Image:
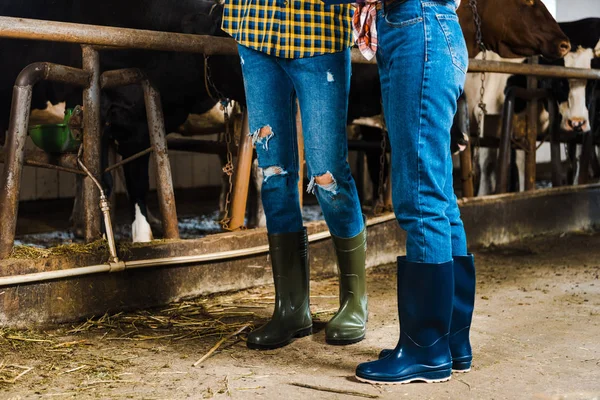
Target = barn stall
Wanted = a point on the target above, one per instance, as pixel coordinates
(155, 274)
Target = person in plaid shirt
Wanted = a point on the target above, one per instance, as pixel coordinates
(300, 49)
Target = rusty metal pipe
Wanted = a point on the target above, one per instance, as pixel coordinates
(554, 143)
(91, 144)
(158, 140)
(36, 72)
(466, 164)
(242, 177)
(533, 116)
(31, 29)
(10, 185)
(41, 159)
(39, 277)
(542, 71)
(507, 116)
(129, 159)
(121, 77)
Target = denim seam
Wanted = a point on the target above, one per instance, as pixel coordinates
(419, 144)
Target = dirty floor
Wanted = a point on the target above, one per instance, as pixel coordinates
(535, 335)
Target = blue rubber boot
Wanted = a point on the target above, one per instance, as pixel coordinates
(462, 314)
(425, 297)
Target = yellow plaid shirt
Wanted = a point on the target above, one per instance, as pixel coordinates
(289, 28)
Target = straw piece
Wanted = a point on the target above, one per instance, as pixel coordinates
(219, 343)
(339, 391)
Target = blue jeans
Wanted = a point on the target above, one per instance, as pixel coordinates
(321, 84)
(422, 59)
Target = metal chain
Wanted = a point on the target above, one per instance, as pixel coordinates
(380, 207)
(481, 105)
(215, 94)
(228, 169)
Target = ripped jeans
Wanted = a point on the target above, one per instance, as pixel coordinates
(422, 60)
(321, 84)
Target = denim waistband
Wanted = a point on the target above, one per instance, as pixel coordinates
(447, 3)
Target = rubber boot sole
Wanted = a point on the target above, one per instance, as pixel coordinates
(427, 377)
(460, 367)
(344, 342)
(299, 334)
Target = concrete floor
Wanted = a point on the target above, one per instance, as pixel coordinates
(535, 336)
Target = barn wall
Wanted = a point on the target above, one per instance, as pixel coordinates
(571, 10)
(188, 169)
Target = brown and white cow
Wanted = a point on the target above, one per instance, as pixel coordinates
(513, 28)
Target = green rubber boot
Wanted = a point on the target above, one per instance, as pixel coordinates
(349, 325)
(291, 317)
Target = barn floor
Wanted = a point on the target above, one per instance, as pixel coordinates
(535, 336)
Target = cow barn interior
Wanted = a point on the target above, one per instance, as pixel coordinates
(134, 257)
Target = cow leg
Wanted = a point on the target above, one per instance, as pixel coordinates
(257, 179)
(487, 170)
(572, 169)
(520, 165)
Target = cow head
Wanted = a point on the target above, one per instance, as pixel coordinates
(514, 28)
(574, 95)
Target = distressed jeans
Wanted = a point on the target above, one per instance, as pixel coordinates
(422, 59)
(321, 84)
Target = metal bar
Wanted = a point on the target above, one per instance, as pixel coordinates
(37, 164)
(164, 187)
(38, 158)
(121, 77)
(36, 72)
(533, 117)
(554, 144)
(129, 159)
(301, 161)
(466, 163)
(10, 186)
(506, 133)
(31, 29)
(198, 146)
(541, 71)
(242, 177)
(504, 149)
(91, 144)
(586, 157)
(38, 277)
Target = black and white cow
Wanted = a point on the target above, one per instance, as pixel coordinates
(179, 77)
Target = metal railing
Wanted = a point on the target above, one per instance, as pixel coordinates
(96, 38)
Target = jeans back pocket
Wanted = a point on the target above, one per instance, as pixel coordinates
(455, 40)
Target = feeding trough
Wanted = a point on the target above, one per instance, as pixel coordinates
(59, 138)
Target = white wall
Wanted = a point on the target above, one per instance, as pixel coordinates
(571, 10)
(551, 6)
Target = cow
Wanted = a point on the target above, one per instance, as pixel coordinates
(179, 77)
(533, 30)
(573, 96)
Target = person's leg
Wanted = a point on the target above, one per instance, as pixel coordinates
(422, 59)
(323, 85)
(271, 112)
